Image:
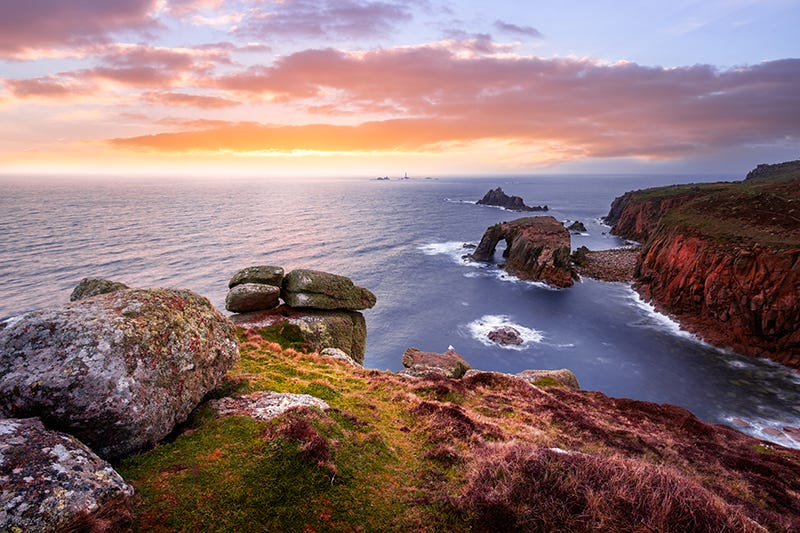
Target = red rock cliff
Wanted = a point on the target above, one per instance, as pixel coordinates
(742, 298)
(724, 259)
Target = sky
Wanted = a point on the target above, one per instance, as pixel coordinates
(386, 87)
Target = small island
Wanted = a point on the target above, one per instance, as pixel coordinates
(498, 198)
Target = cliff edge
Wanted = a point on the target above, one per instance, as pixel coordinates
(723, 258)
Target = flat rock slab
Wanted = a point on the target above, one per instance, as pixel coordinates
(323, 290)
(48, 478)
(264, 405)
(261, 274)
(247, 297)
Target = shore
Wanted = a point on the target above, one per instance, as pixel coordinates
(609, 265)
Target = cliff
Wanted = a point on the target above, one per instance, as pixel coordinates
(487, 452)
(537, 248)
(723, 258)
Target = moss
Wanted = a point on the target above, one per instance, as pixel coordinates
(286, 335)
(548, 382)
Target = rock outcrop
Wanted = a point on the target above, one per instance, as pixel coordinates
(49, 481)
(538, 248)
(89, 287)
(323, 290)
(247, 297)
(563, 377)
(423, 364)
(345, 330)
(498, 198)
(577, 227)
(723, 258)
(118, 370)
(505, 336)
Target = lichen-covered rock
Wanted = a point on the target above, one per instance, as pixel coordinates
(564, 377)
(89, 287)
(322, 290)
(262, 274)
(538, 248)
(264, 405)
(345, 330)
(119, 370)
(247, 297)
(340, 355)
(48, 479)
(420, 364)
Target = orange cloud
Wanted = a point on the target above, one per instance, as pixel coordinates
(438, 96)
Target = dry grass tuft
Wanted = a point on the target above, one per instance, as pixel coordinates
(516, 487)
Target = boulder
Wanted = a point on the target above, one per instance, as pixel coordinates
(263, 275)
(322, 290)
(89, 287)
(498, 198)
(247, 297)
(505, 336)
(538, 248)
(420, 364)
(119, 370)
(49, 481)
(563, 377)
(345, 330)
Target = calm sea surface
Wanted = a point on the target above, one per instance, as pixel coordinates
(404, 241)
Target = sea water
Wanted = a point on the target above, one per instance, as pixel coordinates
(404, 240)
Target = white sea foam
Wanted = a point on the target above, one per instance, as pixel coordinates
(457, 251)
(654, 319)
(480, 329)
(765, 429)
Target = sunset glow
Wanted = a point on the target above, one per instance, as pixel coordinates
(361, 87)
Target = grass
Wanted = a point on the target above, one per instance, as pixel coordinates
(436, 454)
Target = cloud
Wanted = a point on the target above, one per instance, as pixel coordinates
(434, 96)
(188, 100)
(323, 19)
(43, 24)
(44, 87)
(522, 31)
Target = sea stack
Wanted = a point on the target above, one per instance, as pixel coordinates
(498, 198)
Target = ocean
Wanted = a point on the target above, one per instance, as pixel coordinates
(404, 240)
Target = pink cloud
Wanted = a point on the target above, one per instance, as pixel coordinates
(606, 109)
(188, 100)
(45, 87)
(324, 18)
(40, 24)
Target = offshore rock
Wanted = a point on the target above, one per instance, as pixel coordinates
(538, 248)
(423, 364)
(498, 198)
(262, 274)
(247, 297)
(322, 290)
(577, 227)
(49, 480)
(505, 336)
(119, 370)
(342, 329)
(89, 287)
